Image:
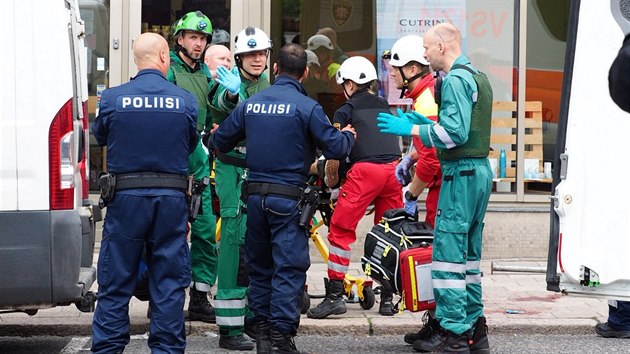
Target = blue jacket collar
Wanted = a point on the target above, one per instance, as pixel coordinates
(149, 71)
(288, 81)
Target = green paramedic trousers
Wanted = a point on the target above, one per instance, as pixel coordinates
(466, 187)
(203, 246)
(231, 298)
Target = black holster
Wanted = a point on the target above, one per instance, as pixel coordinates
(308, 206)
(195, 199)
(107, 187)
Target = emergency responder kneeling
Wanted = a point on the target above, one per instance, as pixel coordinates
(370, 179)
(280, 149)
(147, 155)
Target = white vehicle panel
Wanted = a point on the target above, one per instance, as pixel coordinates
(43, 87)
(8, 158)
(593, 202)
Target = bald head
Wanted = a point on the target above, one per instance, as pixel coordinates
(442, 45)
(150, 51)
(447, 33)
(216, 55)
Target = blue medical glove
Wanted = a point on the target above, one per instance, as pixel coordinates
(231, 80)
(411, 207)
(418, 119)
(403, 171)
(391, 124)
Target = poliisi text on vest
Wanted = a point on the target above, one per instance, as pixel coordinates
(268, 108)
(150, 102)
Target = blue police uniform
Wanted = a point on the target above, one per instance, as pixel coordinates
(148, 125)
(283, 128)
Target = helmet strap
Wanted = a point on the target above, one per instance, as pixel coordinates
(239, 64)
(406, 80)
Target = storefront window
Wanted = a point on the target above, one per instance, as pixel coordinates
(547, 23)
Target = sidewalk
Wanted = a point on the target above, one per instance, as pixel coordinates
(514, 303)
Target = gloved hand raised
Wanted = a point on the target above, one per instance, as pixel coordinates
(391, 124)
(403, 171)
(411, 207)
(417, 118)
(231, 80)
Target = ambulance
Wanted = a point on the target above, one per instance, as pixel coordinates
(46, 218)
(589, 246)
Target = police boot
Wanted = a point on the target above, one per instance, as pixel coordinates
(282, 343)
(480, 343)
(430, 326)
(199, 308)
(443, 341)
(386, 307)
(238, 342)
(263, 341)
(251, 328)
(333, 303)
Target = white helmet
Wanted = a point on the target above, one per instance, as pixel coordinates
(406, 49)
(357, 69)
(251, 39)
(319, 40)
(311, 58)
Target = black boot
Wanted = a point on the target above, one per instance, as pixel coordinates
(333, 304)
(282, 343)
(251, 329)
(199, 308)
(480, 343)
(430, 326)
(386, 307)
(443, 341)
(263, 341)
(235, 342)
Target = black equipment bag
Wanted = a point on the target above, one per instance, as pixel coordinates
(396, 232)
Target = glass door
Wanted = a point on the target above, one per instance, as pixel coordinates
(96, 14)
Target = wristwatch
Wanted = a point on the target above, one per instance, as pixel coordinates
(410, 196)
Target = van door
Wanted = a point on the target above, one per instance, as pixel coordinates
(589, 245)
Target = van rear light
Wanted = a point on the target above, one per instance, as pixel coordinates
(66, 149)
(60, 161)
(85, 156)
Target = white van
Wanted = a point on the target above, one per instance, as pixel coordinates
(589, 248)
(46, 218)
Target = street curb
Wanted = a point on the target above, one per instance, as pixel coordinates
(199, 329)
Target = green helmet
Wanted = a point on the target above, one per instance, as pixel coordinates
(194, 21)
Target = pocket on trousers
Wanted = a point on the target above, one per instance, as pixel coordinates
(242, 277)
(450, 243)
(103, 264)
(348, 200)
(186, 273)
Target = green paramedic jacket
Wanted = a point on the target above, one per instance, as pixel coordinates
(221, 107)
(465, 115)
(198, 82)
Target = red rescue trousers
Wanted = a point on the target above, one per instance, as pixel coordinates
(366, 182)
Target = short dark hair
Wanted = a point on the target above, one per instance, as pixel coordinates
(292, 60)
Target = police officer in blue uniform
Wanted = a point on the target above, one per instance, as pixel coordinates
(283, 127)
(149, 127)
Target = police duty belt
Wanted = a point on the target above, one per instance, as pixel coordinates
(138, 180)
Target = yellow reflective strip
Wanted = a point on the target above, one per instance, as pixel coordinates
(412, 275)
(386, 250)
